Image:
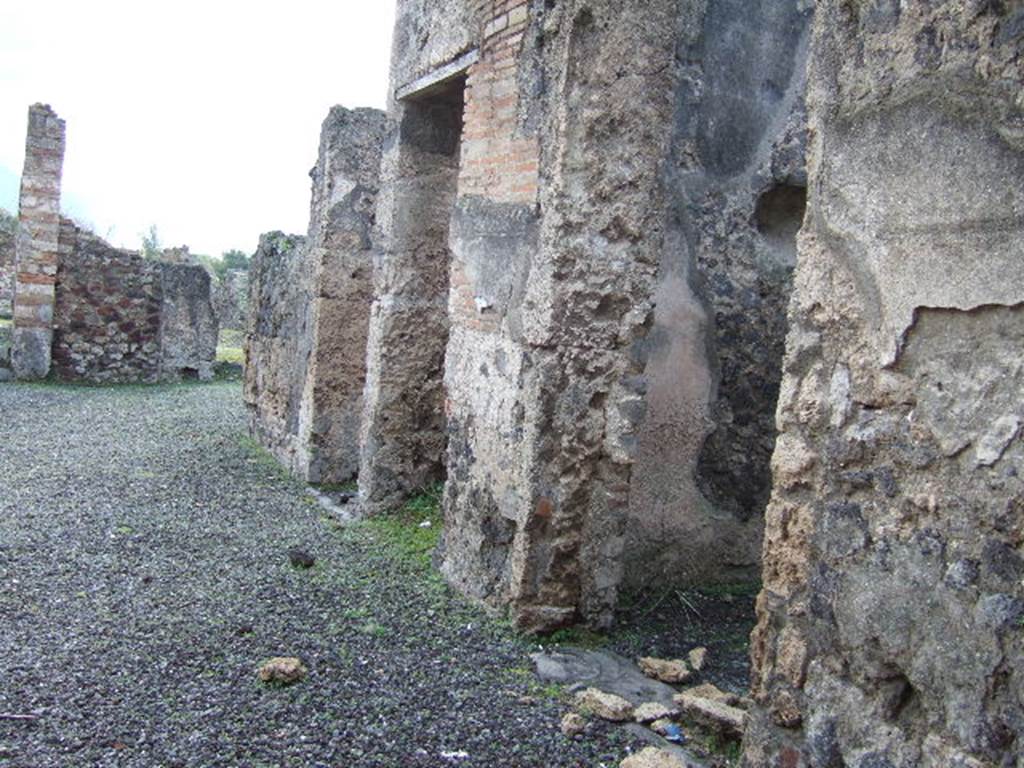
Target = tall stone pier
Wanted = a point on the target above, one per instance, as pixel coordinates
(310, 307)
(889, 630)
(37, 249)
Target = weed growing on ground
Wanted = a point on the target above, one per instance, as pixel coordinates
(580, 637)
(412, 534)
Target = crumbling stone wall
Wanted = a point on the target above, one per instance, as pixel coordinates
(345, 186)
(589, 190)
(8, 235)
(119, 317)
(37, 244)
(403, 432)
(89, 310)
(737, 180)
(277, 343)
(231, 299)
(310, 307)
(549, 291)
(889, 627)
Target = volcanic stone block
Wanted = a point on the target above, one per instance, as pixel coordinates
(309, 305)
(277, 342)
(345, 186)
(889, 624)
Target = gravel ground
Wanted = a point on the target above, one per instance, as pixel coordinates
(144, 576)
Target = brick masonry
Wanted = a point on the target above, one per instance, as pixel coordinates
(37, 244)
(122, 318)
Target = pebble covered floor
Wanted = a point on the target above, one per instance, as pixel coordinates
(144, 576)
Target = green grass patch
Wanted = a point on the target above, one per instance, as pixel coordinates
(580, 637)
(231, 337)
(736, 589)
(413, 532)
(262, 458)
(233, 355)
(5, 322)
(352, 486)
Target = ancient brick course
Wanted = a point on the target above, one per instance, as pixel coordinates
(37, 243)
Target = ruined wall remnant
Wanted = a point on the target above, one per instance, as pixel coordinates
(37, 244)
(737, 182)
(589, 189)
(91, 311)
(8, 237)
(547, 290)
(345, 186)
(188, 323)
(403, 431)
(889, 626)
(277, 343)
(119, 317)
(309, 310)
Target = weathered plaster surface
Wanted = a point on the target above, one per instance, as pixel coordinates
(345, 185)
(715, 351)
(889, 624)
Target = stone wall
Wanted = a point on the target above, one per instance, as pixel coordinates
(403, 432)
(231, 299)
(8, 236)
(889, 627)
(277, 343)
(119, 317)
(737, 181)
(310, 307)
(37, 244)
(345, 186)
(498, 231)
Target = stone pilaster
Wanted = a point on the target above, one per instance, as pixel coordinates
(37, 248)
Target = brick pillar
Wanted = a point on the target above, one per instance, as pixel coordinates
(36, 251)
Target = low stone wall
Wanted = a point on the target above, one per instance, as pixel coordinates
(119, 317)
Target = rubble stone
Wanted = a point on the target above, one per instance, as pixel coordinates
(284, 670)
(728, 721)
(607, 706)
(651, 711)
(573, 724)
(652, 757)
(667, 671)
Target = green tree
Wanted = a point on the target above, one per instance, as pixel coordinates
(230, 261)
(151, 243)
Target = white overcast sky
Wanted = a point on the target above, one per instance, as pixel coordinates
(202, 118)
